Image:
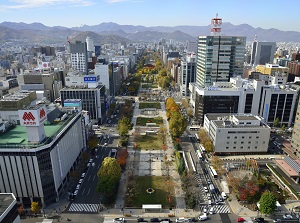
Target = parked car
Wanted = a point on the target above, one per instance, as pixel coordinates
(180, 219)
(287, 216)
(205, 189)
(240, 220)
(82, 175)
(141, 220)
(203, 217)
(78, 186)
(192, 219)
(165, 219)
(80, 181)
(154, 220)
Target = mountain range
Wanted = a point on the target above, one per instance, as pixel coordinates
(38, 33)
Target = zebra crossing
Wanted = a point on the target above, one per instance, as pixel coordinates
(76, 207)
(221, 208)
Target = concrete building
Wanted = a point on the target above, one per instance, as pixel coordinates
(219, 58)
(272, 69)
(237, 133)
(37, 156)
(262, 52)
(9, 209)
(187, 73)
(290, 167)
(294, 70)
(79, 58)
(265, 98)
(295, 142)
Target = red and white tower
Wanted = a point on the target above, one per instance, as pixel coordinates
(216, 24)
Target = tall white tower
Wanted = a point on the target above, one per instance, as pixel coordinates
(33, 117)
(90, 44)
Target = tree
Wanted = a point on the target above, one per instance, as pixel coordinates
(177, 125)
(162, 133)
(93, 142)
(217, 164)
(21, 210)
(276, 122)
(35, 207)
(122, 158)
(234, 182)
(283, 127)
(267, 203)
(108, 179)
(124, 125)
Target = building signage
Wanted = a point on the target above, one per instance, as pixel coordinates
(91, 79)
(33, 117)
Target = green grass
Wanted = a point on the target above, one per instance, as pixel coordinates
(141, 121)
(150, 142)
(143, 105)
(149, 86)
(160, 195)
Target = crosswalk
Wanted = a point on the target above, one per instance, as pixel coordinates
(76, 207)
(221, 208)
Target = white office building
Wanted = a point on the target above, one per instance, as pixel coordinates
(237, 133)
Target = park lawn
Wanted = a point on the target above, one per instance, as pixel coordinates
(149, 86)
(143, 105)
(141, 121)
(160, 195)
(150, 142)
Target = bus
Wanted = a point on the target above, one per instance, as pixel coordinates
(197, 138)
(213, 172)
(194, 128)
(199, 155)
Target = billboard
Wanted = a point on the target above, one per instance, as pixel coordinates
(91, 79)
(72, 103)
(33, 117)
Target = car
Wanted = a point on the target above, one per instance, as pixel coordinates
(154, 220)
(203, 217)
(91, 160)
(259, 219)
(82, 175)
(240, 220)
(180, 220)
(88, 164)
(165, 219)
(209, 196)
(78, 186)
(287, 216)
(111, 130)
(192, 220)
(75, 192)
(205, 210)
(93, 164)
(211, 210)
(209, 202)
(80, 181)
(105, 144)
(277, 220)
(205, 189)
(141, 220)
(119, 220)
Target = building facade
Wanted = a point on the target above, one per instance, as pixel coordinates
(187, 74)
(219, 58)
(79, 58)
(262, 52)
(246, 96)
(237, 133)
(9, 209)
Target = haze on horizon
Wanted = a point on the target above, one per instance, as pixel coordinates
(73, 13)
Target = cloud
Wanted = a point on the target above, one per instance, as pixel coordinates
(22, 4)
(116, 1)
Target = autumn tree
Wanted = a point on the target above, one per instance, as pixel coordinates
(267, 203)
(93, 142)
(21, 210)
(108, 178)
(177, 125)
(122, 157)
(162, 133)
(35, 207)
(124, 125)
(234, 182)
(217, 164)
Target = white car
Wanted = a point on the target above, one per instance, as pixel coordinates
(88, 164)
(93, 164)
(111, 130)
(180, 219)
(82, 175)
(119, 220)
(78, 186)
(75, 192)
(287, 216)
(105, 144)
(212, 210)
(205, 189)
(91, 160)
(202, 217)
(205, 210)
(80, 181)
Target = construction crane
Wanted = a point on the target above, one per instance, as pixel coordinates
(69, 38)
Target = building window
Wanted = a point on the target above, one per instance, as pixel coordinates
(250, 137)
(228, 137)
(243, 137)
(234, 147)
(255, 147)
(234, 142)
(257, 137)
(227, 142)
(227, 147)
(242, 142)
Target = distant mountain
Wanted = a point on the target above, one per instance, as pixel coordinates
(100, 39)
(44, 34)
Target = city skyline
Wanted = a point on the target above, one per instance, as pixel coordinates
(74, 13)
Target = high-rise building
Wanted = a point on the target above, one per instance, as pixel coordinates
(219, 58)
(90, 44)
(187, 74)
(262, 52)
(295, 142)
(79, 58)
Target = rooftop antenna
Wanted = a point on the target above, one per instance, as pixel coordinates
(216, 24)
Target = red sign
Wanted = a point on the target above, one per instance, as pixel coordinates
(42, 113)
(28, 116)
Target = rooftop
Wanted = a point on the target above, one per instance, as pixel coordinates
(16, 137)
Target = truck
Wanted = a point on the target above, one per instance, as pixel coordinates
(212, 188)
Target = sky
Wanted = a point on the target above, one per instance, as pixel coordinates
(74, 13)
